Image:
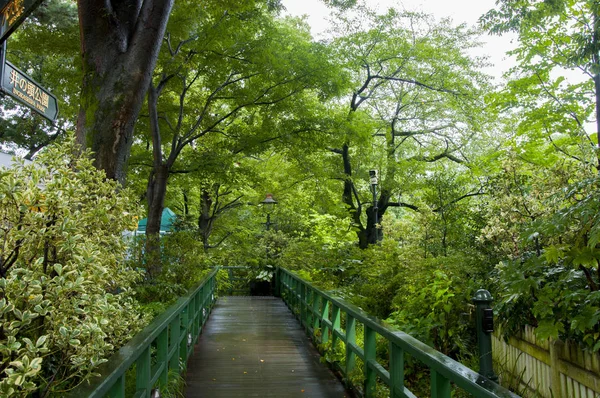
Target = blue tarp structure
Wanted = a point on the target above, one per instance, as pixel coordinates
(166, 222)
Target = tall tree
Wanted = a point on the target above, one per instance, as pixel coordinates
(229, 77)
(544, 213)
(120, 41)
(557, 78)
(418, 90)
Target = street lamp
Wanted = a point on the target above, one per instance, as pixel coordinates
(268, 205)
(374, 181)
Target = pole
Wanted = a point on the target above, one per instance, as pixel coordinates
(2, 61)
(485, 327)
(375, 213)
(268, 226)
(374, 181)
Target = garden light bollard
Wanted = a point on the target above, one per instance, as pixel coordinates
(485, 327)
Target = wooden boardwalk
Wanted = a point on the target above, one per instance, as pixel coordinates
(254, 347)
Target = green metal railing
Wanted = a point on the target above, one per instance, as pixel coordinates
(162, 346)
(331, 320)
(238, 279)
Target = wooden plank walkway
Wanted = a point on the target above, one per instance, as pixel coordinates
(254, 347)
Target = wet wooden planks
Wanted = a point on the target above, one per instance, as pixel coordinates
(254, 347)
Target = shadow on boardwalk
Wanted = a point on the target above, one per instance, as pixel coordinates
(254, 347)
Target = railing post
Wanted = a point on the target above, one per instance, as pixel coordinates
(204, 303)
(285, 296)
(396, 371)
(230, 275)
(175, 329)
(335, 323)
(213, 293)
(143, 376)
(162, 355)
(296, 301)
(350, 340)
(303, 305)
(290, 288)
(485, 327)
(118, 389)
(198, 304)
(308, 296)
(315, 311)
(440, 386)
(370, 351)
(183, 352)
(325, 316)
(277, 277)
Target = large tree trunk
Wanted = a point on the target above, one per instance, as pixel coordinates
(374, 233)
(120, 42)
(370, 237)
(205, 219)
(157, 190)
(348, 198)
(157, 187)
(366, 235)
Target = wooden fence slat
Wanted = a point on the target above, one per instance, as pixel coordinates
(562, 370)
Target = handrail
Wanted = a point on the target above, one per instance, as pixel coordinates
(172, 334)
(234, 286)
(320, 314)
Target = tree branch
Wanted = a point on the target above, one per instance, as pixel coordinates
(402, 204)
(227, 235)
(454, 201)
(435, 158)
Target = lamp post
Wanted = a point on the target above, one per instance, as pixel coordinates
(268, 205)
(485, 328)
(374, 181)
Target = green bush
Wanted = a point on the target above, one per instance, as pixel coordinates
(184, 264)
(65, 297)
(430, 310)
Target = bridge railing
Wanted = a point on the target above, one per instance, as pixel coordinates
(238, 279)
(159, 350)
(330, 320)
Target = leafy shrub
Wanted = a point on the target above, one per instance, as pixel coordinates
(184, 264)
(554, 298)
(552, 280)
(430, 310)
(65, 297)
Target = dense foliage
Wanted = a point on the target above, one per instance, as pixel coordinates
(63, 275)
(480, 185)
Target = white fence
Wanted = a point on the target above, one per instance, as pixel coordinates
(549, 369)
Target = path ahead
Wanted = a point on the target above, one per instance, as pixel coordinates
(254, 347)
